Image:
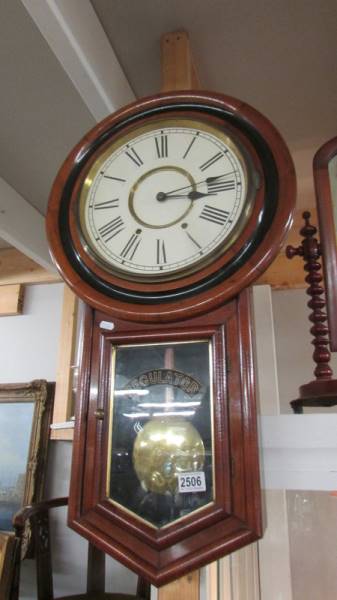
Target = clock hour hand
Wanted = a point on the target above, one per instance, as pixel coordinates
(194, 195)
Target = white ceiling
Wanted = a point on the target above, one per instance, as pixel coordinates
(279, 57)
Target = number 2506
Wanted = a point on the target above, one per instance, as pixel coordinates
(191, 481)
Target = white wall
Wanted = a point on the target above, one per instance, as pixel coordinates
(294, 350)
(28, 350)
(29, 342)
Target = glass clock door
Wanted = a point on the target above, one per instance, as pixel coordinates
(161, 459)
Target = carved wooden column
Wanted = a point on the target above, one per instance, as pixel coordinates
(323, 390)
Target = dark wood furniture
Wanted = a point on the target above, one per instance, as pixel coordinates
(325, 179)
(38, 515)
(322, 391)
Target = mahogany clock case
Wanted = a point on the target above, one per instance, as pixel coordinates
(192, 532)
(128, 504)
(214, 282)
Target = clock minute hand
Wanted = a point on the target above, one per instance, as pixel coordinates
(207, 180)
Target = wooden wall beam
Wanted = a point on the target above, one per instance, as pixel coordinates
(11, 300)
(64, 375)
(16, 267)
(283, 274)
(177, 67)
(185, 588)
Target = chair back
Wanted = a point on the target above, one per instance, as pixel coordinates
(38, 516)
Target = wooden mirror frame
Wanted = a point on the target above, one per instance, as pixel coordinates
(328, 231)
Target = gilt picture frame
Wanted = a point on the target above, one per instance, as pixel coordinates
(325, 178)
(25, 416)
(8, 549)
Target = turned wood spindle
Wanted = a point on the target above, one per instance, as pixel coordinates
(323, 390)
(310, 251)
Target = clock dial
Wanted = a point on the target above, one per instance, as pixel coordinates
(165, 199)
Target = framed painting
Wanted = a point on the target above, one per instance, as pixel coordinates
(25, 415)
(325, 177)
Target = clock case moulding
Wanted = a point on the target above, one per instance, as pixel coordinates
(211, 304)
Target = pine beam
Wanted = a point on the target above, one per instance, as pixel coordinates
(16, 268)
(185, 588)
(64, 375)
(177, 67)
(11, 300)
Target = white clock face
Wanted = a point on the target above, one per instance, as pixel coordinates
(164, 200)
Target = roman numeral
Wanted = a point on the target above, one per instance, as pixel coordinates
(110, 229)
(131, 246)
(211, 161)
(214, 215)
(132, 154)
(190, 145)
(161, 252)
(161, 145)
(215, 186)
(107, 204)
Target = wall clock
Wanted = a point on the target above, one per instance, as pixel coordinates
(159, 220)
(168, 199)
